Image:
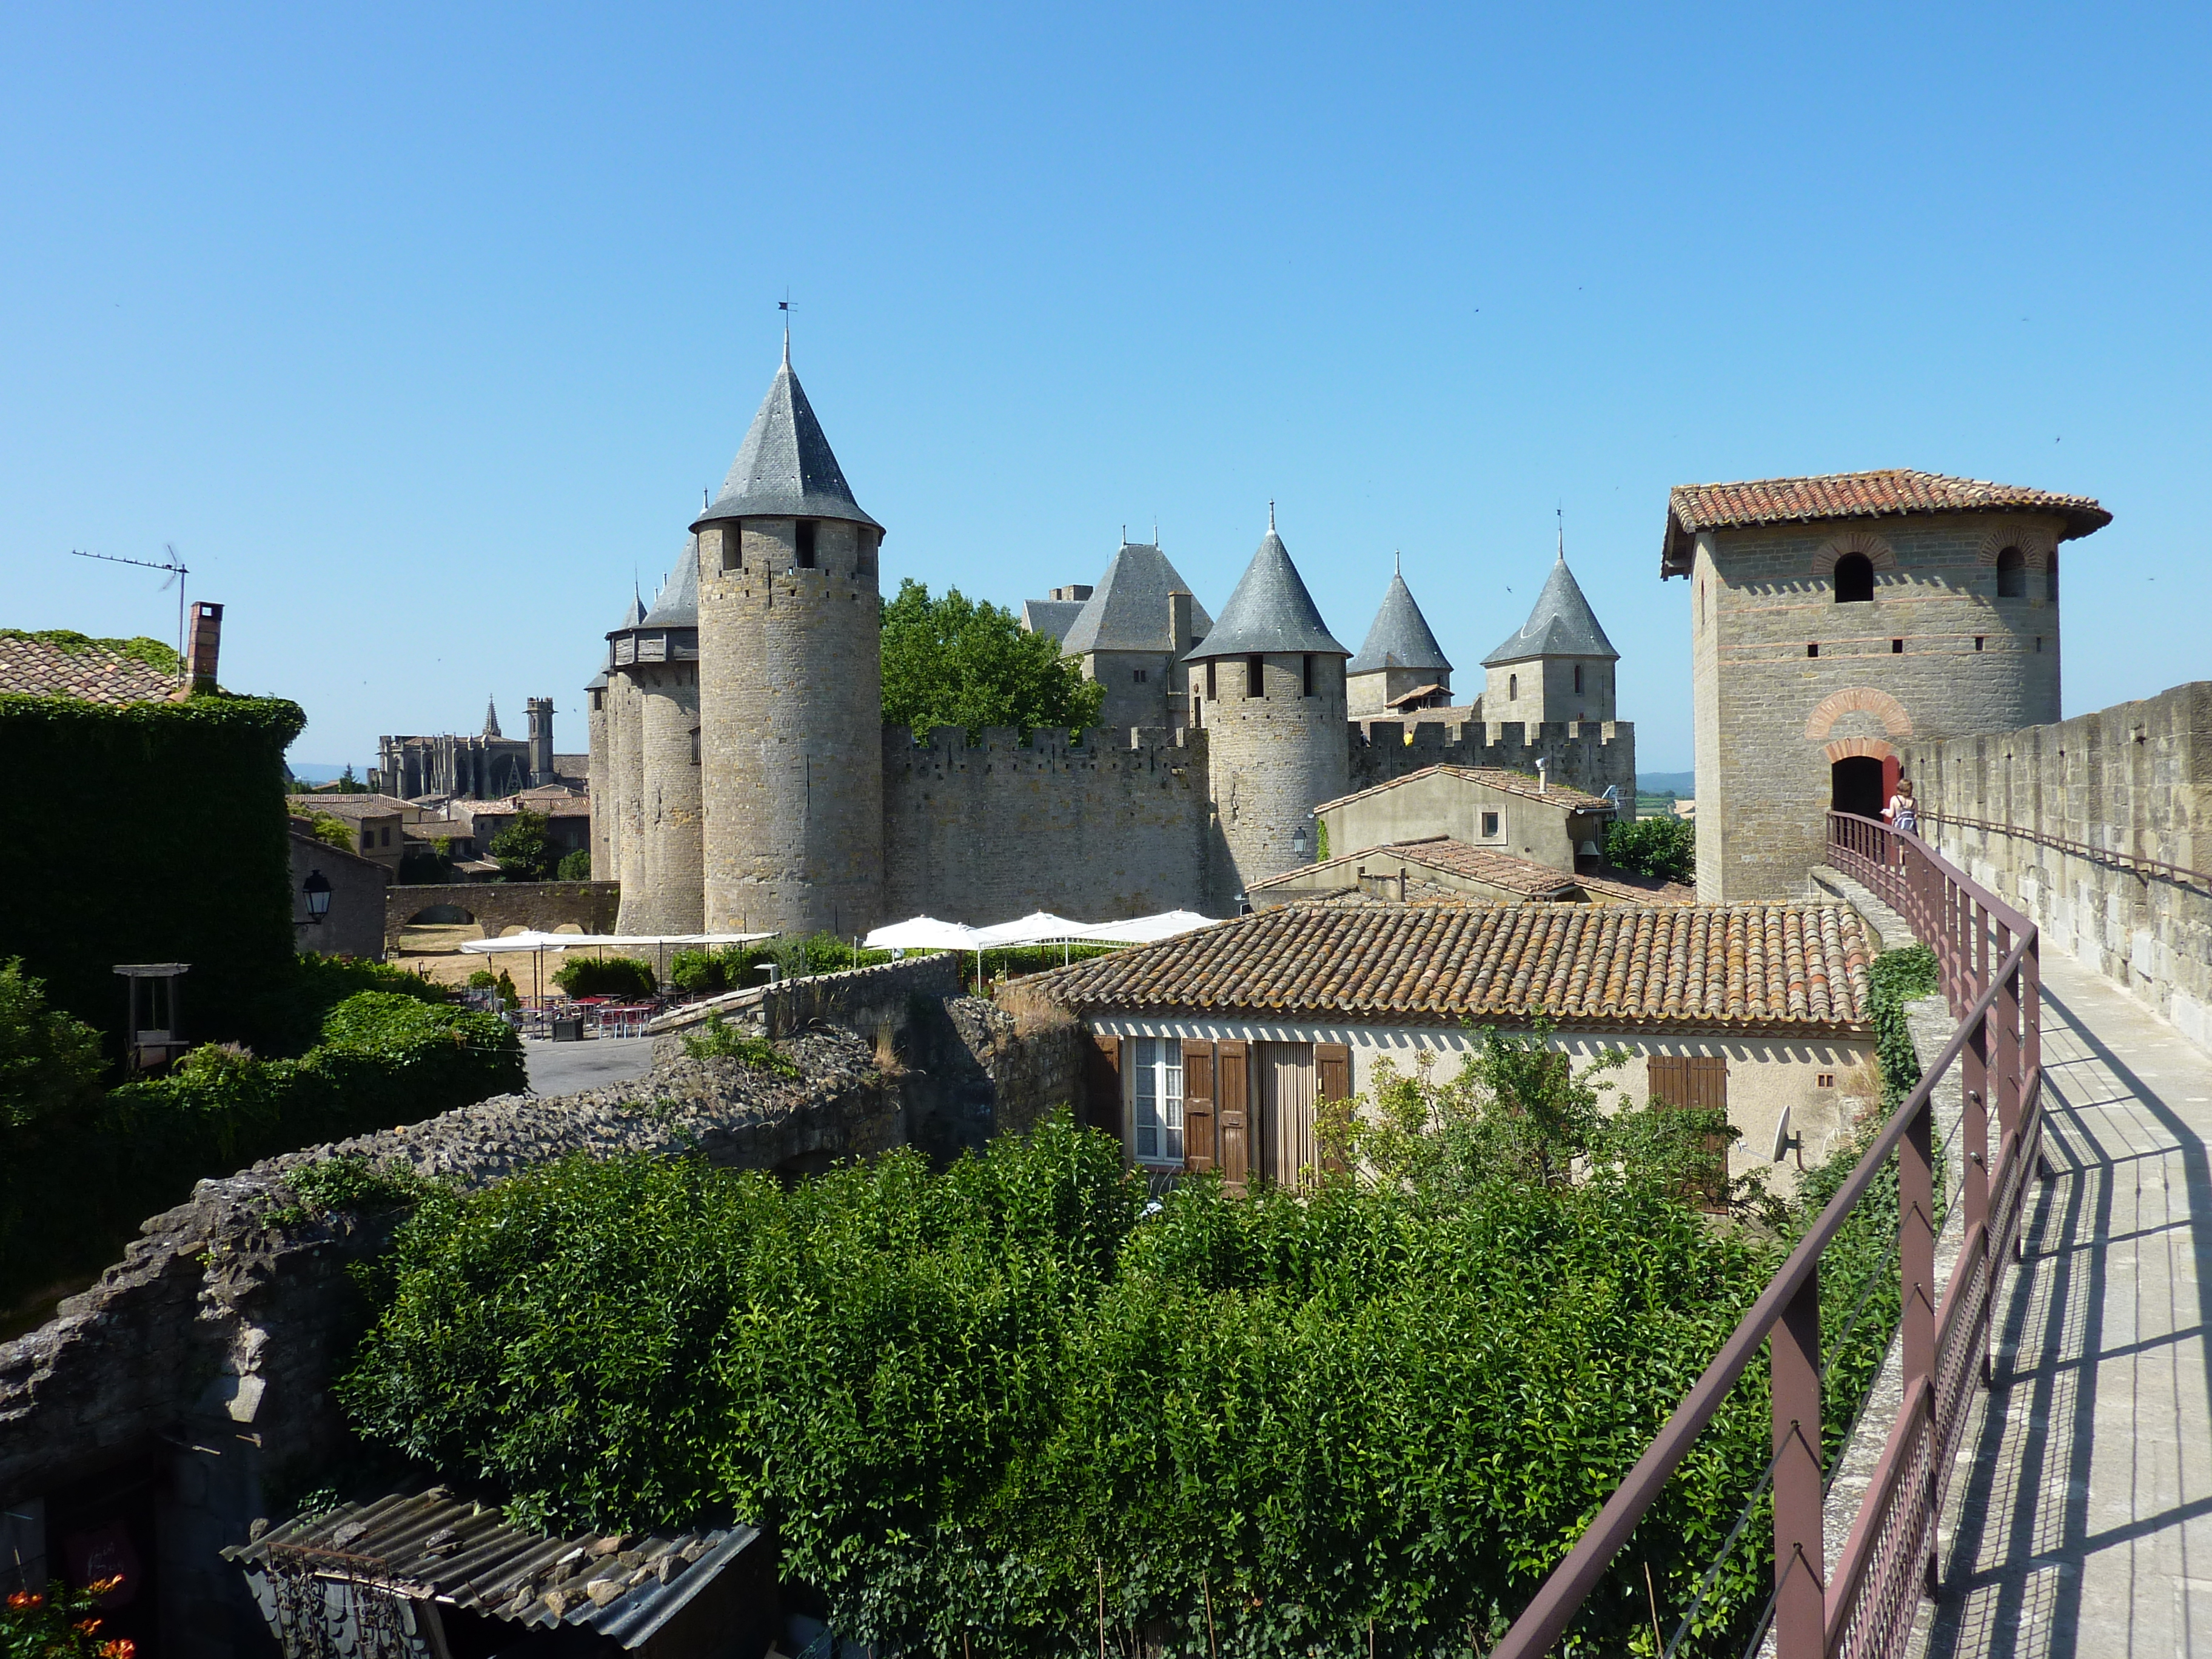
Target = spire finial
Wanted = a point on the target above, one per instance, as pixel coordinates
(1125, 535)
(1562, 511)
(1397, 564)
(1271, 518)
(784, 305)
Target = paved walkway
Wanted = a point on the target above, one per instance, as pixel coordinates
(562, 1069)
(2080, 1516)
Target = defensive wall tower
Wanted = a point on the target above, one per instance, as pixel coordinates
(540, 710)
(625, 758)
(1557, 666)
(1833, 618)
(658, 661)
(790, 685)
(1400, 662)
(600, 773)
(1268, 686)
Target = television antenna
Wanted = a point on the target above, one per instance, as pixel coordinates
(178, 571)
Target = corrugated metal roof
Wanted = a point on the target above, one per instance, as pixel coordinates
(431, 1544)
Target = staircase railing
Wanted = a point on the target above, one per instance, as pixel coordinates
(1986, 953)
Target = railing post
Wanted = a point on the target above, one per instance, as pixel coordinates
(1801, 1560)
(1916, 1242)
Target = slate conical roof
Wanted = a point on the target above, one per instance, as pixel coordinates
(1400, 637)
(1129, 609)
(785, 469)
(491, 717)
(678, 606)
(1562, 625)
(1270, 610)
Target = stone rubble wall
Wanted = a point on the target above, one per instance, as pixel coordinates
(2134, 778)
(871, 1003)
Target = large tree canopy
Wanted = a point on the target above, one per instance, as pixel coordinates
(953, 661)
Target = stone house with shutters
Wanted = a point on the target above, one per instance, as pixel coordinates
(1216, 1050)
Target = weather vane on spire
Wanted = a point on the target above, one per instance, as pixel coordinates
(1271, 518)
(784, 305)
(1562, 511)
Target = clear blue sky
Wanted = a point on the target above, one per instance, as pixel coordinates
(417, 330)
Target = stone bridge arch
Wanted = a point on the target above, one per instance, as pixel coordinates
(500, 905)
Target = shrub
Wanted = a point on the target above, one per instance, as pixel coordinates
(59, 1622)
(616, 977)
(331, 832)
(576, 866)
(348, 1181)
(1896, 978)
(50, 1060)
(718, 1040)
(1665, 848)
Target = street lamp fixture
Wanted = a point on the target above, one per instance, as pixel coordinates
(1298, 842)
(317, 890)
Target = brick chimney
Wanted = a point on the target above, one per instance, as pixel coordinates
(203, 643)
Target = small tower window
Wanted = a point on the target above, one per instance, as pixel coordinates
(694, 745)
(1812, 649)
(1138, 674)
(1306, 676)
(733, 557)
(1854, 580)
(1978, 641)
(806, 528)
(1578, 677)
(1212, 696)
(1255, 676)
(1512, 688)
(2050, 577)
(2012, 575)
(1897, 648)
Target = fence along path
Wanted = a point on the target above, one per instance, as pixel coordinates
(1869, 1604)
(2081, 1514)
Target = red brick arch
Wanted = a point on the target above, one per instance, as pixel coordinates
(1879, 553)
(2035, 542)
(1844, 748)
(1852, 699)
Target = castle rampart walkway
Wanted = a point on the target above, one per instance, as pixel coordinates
(2080, 1514)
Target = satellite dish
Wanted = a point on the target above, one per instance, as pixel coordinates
(1784, 1142)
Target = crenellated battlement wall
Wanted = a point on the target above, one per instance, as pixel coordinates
(1586, 755)
(1110, 824)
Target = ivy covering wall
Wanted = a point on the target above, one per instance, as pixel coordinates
(154, 832)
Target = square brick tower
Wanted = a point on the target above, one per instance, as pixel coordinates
(1831, 617)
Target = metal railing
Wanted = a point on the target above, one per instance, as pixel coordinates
(2112, 857)
(1986, 954)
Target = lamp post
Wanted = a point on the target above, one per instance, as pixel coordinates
(317, 890)
(1298, 842)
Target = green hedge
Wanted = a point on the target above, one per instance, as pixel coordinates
(612, 976)
(74, 1184)
(154, 832)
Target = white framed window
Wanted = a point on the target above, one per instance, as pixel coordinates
(1155, 1100)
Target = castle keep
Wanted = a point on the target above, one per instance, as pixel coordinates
(743, 779)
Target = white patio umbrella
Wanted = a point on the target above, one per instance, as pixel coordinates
(1146, 929)
(922, 933)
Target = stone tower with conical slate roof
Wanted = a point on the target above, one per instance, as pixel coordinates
(1268, 686)
(1399, 658)
(790, 685)
(658, 660)
(601, 776)
(1556, 666)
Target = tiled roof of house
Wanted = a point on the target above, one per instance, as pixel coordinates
(350, 805)
(1889, 494)
(553, 799)
(91, 670)
(1495, 777)
(1484, 864)
(1749, 966)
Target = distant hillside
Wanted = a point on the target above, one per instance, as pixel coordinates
(1658, 783)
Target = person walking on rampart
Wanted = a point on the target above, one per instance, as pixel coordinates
(1903, 812)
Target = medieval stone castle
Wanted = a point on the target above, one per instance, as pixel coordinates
(743, 779)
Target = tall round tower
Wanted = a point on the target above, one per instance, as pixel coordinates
(624, 769)
(790, 685)
(600, 775)
(664, 895)
(1268, 686)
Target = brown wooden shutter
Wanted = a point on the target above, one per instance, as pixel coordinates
(1197, 1152)
(1332, 1081)
(1232, 1110)
(1102, 1085)
(1669, 1079)
(1699, 1081)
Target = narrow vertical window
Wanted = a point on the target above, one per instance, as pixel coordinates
(2012, 574)
(1512, 688)
(1897, 648)
(806, 529)
(1578, 677)
(1305, 673)
(1255, 676)
(2051, 578)
(732, 546)
(1211, 695)
(1812, 648)
(1978, 641)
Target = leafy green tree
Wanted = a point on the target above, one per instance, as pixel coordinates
(1666, 848)
(524, 849)
(953, 661)
(50, 1059)
(332, 830)
(576, 866)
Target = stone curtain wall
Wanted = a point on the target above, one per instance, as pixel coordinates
(866, 1001)
(1108, 827)
(1770, 720)
(1585, 755)
(2134, 778)
(500, 905)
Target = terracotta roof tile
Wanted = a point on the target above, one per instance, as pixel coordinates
(1890, 494)
(90, 670)
(1754, 966)
(1496, 777)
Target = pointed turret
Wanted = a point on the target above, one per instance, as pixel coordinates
(1557, 665)
(784, 468)
(491, 717)
(1399, 666)
(1270, 611)
(678, 603)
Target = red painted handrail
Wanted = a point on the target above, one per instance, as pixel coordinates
(1997, 1043)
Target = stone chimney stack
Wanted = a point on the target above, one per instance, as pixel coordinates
(541, 740)
(203, 644)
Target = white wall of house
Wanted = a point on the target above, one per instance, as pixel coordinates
(1825, 1084)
